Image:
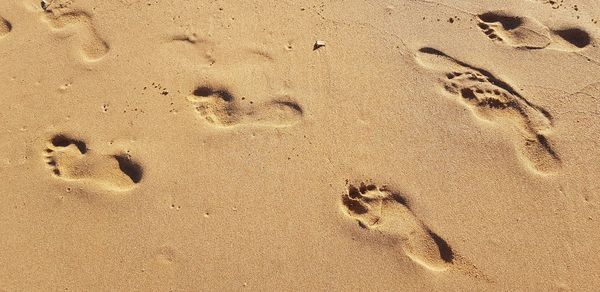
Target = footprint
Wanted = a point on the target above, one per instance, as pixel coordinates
(377, 208)
(515, 31)
(92, 46)
(206, 52)
(494, 100)
(528, 33)
(71, 160)
(5, 27)
(222, 109)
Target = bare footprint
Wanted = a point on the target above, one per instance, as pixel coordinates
(514, 31)
(5, 27)
(377, 208)
(494, 100)
(92, 46)
(69, 159)
(528, 33)
(221, 108)
(206, 52)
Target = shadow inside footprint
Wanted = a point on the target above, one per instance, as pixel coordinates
(64, 141)
(205, 91)
(445, 250)
(508, 22)
(575, 36)
(130, 168)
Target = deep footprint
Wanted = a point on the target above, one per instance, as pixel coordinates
(219, 107)
(494, 100)
(379, 209)
(528, 33)
(92, 46)
(69, 159)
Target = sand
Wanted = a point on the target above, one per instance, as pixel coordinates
(213, 145)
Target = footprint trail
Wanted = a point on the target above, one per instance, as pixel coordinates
(494, 100)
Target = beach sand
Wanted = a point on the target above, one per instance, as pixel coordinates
(403, 145)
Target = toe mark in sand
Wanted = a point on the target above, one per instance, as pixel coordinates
(69, 159)
(494, 100)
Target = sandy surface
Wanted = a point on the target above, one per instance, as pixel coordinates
(210, 145)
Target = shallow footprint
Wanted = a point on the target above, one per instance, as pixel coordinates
(494, 100)
(92, 46)
(69, 159)
(222, 109)
(379, 209)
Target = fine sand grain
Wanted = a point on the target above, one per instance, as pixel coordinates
(404, 145)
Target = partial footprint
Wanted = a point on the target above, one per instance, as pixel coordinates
(528, 33)
(5, 27)
(203, 51)
(221, 108)
(69, 159)
(92, 46)
(574, 36)
(378, 208)
(494, 100)
(514, 31)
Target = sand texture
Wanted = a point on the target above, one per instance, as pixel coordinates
(277, 145)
